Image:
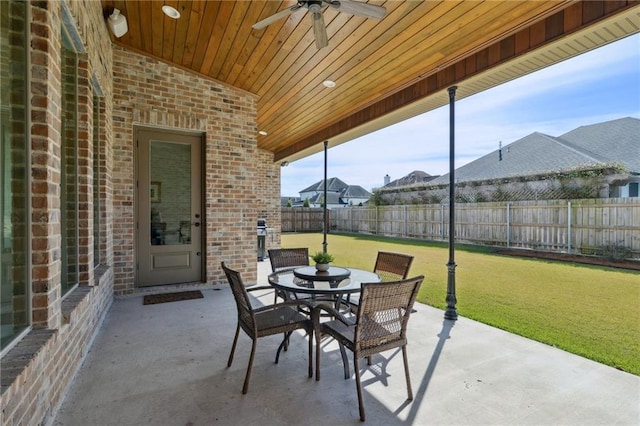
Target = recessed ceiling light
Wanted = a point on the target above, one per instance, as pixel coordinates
(329, 83)
(170, 11)
(262, 132)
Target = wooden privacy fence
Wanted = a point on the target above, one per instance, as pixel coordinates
(305, 219)
(606, 227)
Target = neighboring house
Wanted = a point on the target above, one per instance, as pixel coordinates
(355, 195)
(595, 161)
(339, 194)
(285, 201)
(415, 177)
(316, 200)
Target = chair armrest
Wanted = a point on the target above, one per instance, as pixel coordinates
(262, 287)
(293, 303)
(316, 313)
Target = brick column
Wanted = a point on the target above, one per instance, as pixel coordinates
(45, 164)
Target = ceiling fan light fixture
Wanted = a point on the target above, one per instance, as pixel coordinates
(170, 11)
(262, 132)
(329, 84)
(315, 8)
(319, 29)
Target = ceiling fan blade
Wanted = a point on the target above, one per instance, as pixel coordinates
(358, 8)
(319, 30)
(275, 17)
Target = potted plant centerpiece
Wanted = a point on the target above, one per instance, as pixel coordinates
(322, 260)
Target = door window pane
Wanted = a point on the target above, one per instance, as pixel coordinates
(170, 193)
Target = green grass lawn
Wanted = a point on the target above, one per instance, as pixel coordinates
(589, 311)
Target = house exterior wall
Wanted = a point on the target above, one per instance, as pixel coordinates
(240, 180)
(268, 191)
(354, 201)
(241, 184)
(37, 371)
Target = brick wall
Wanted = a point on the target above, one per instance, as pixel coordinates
(46, 164)
(241, 182)
(38, 370)
(268, 192)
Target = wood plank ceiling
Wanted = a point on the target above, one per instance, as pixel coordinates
(369, 60)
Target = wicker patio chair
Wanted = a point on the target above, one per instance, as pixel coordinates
(381, 324)
(390, 267)
(265, 321)
(288, 258)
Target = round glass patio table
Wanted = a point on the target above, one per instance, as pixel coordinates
(323, 288)
(334, 274)
(331, 285)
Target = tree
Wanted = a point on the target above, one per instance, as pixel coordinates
(376, 198)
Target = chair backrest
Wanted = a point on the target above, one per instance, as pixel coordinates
(246, 316)
(383, 313)
(288, 258)
(392, 266)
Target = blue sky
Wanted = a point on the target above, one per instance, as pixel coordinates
(600, 85)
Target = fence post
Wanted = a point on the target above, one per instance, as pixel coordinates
(404, 208)
(508, 224)
(569, 226)
(442, 221)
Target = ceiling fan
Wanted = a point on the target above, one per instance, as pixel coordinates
(316, 6)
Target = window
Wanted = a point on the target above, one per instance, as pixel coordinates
(14, 178)
(96, 180)
(69, 165)
(633, 189)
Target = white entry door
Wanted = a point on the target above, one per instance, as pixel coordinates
(169, 207)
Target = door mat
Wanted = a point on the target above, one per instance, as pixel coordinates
(152, 299)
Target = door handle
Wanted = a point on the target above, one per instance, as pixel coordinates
(196, 224)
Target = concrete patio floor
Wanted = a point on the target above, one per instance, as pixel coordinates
(165, 364)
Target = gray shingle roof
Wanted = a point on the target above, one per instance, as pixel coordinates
(333, 184)
(537, 153)
(336, 191)
(355, 191)
(613, 141)
(416, 176)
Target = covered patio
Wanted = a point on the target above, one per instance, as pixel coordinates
(165, 364)
(90, 117)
